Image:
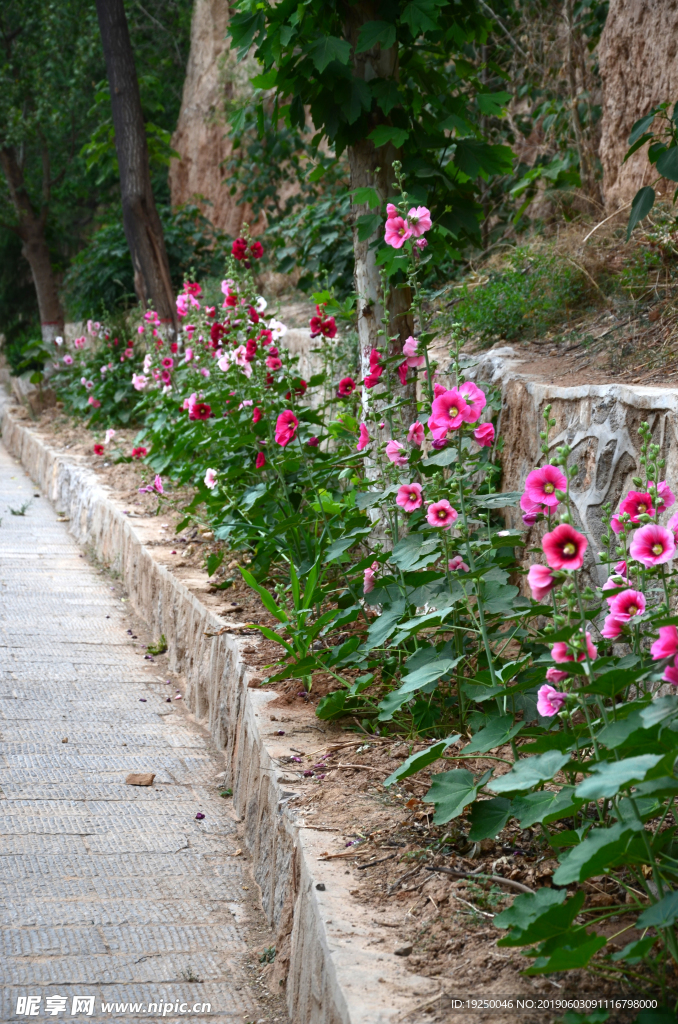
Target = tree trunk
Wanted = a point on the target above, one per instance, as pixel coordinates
(143, 229)
(31, 230)
(372, 167)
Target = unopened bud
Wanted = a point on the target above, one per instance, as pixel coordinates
(565, 517)
(560, 495)
(637, 482)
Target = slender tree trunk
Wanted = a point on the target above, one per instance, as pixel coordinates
(143, 229)
(590, 186)
(372, 167)
(31, 231)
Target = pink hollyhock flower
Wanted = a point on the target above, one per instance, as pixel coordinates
(457, 563)
(447, 413)
(484, 435)
(667, 644)
(286, 428)
(415, 434)
(612, 628)
(204, 372)
(394, 451)
(438, 390)
(627, 604)
(441, 514)
(273, 363)
(211, 478)
(166, 377)
(364, 438)
(475, 400)
(256, 415)
(182, 308)
(652, 545)
(402, 374)
(541, 581)
(68, 360)
(564, 547)
(313, 442)
(260, 461)
(157, 484)
(620, 568)
(560, 651)
(409, 497)
(80, 342)
(671, 673)
(368, 577)
(531, 509)
(637, 503)
(190, 401)
(549, 701)
(541, 484)
(410, 350)
(672, 524)
(199, 411)
(109, 435)
(665, 495)
(421, 243)
(614, 583)
(168, 362)
(188, 355)
(89, 384)
(419, 220)
(396, 232)
(391, 211)
(554, 675)
(94, 402)
(346, 387)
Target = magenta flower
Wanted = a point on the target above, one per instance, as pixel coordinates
(168, 363)
(409, 497)
(541, 485)
(672, 524)
(614, 583)
(637, 503)
(274, 363)
(368, 577)
(612, 628)
(484, 435)
(620, 568)
(667, 644)
(457, 563)
(652, 545)
(419, 220)
(415, 435)
(157, 484)
(475, 400)
(211, 478)
(617, 525)
(94, 402)
(549, 701)
(68, 359)
(364, 438)
(139, 381)
(671, 673)
(396, 232)
(394, 451)
(531, 509)
(285, 428)
(561, 652)
(666, 497)
(441, 514)
(564, 547)
(554, 675)
(448, 412)
(627, 604)
(410, 351)
(541, 581)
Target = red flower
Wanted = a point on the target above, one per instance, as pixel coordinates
(250, 349)
(261, 461)
(402, 373)
(346, 387)
(138, 453)
(193, 289)
(286, 428)
(312, 442)
(253, 315)
(217, 331)
(174, 348)
(637, 504)
(269, 379)
(257, 250)
(166, 377)
(266, 336)
(564, 547)
(200, 411)
(98, 449)
(239, 249)
(299, 388)
(256, 415)
(231, 300)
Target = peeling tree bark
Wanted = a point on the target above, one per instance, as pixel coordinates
(31, 231)
(143, 229)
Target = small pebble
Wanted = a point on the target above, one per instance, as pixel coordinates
(178, 697)
(172, 552)
(142, 699)
(280, 732)
(65, 740)
(168, 700)
(320, 886)
(199, 816)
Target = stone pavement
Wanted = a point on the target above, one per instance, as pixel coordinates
(108, 891)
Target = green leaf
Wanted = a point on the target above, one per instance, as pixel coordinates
(339, 704)
(329, 48)
(415, 762)
(391, 703)
(572, 954)
(420, 15)
(667, 164)
(385, 133)
(643, 201)
(408, 551)
(610, 776)
(641, 126)
(366, 195)
(601, 849)
(269, 603)
(545, 806)
(367, 224)
(488, 818)
(492, 104)
(636, 951)
(660, 915)
(266, 80)
(497, 598)
(376, 33)
(427, 673)
(213, 562)
(503, 500)
(384, 625)
(530, 772)
(499, 731)
(451, 792)
(537, 916)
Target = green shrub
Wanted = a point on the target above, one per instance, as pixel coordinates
(531, 296)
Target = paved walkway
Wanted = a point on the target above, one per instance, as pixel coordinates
(107, 891)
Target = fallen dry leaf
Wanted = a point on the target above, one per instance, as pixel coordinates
(140, 779)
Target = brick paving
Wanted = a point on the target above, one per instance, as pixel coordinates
(108, 891)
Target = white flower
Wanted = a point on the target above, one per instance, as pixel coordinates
(60, 341)
(277, 329)
(211, 478)
(261, 304)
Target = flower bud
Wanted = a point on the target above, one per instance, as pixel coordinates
(644, 518)
(637, 482)
(560, 495)
(565, 517)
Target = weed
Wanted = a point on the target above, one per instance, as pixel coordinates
(268, 955)
(23, 509)
(158, 648)
(188, 974)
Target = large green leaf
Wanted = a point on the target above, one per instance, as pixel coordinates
(601, 849)
(427, 673)
(530, 772)
(384, 134)
(545, 806)
(451, 792)
(385, 624)
(415, 762)
(538, 916)
(502, 500)
(376, 33)
(634, 952)
(496, 734)
(420, 15)
(573, 952)
(414, 550)
(660, 915)
(610, 776)
(488, 818)
(329, 48)
(667, 164)
(643, 201)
